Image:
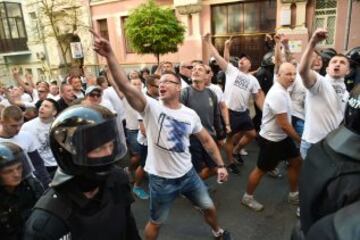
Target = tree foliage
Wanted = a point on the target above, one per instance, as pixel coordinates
(154, 30)
(61, 20)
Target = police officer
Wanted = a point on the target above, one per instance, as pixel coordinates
(353, 78)
(331, 171)
(19, 191)
(89, 197)
(265, 76)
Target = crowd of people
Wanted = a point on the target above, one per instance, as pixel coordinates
(60, 144)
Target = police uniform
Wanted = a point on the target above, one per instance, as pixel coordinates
(15, 207)
(330, 179)
(78, 137)
(64, 212)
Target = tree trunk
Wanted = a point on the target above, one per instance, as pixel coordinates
(158, 58)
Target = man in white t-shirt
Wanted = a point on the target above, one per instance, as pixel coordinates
(168, 126)
(326, 96)
(39, 128)
(240, 86)
(10, 124)
(276, 138)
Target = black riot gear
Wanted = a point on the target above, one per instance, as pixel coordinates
(16, 204)
(354, 55)
(79, 130)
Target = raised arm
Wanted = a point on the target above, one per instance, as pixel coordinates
(120, 82)
(308, 76)
(214, 52)
(20, 82)
(278, 53)
(227, 49)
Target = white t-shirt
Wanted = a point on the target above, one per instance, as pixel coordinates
(297, 93)
(26, 141)
(55, 97)
(26, 98)
(238, 88)
(217, 90)
(110, 94)
(183, 84)
(141, 138)
(277, 101)
(131, 117)
(168, 131)
(324, 107)
(40, 131)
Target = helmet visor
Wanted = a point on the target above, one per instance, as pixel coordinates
(93, 145)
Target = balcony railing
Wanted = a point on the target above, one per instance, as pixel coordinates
(13, 45)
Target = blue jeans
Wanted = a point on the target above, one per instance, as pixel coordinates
(163, 192)
(304, 148)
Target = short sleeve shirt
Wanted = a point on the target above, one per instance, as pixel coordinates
(239, 87)
(168, 131)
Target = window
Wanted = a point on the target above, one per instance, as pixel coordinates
(128, 46)
(325, 17)
(12, 28)
(248, 22)
(103, 28)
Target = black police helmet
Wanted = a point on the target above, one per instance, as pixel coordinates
(79, 130)
(267, 60)
(354, 55)
(10, 154)
(352, 111)
(328, 53)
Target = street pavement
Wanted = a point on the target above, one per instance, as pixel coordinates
(275, 222)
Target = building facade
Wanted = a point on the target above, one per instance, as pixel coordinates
(30, 41)
(248, 21)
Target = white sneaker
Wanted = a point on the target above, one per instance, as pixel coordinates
(250, 202)
(294, 198)
(243, 152)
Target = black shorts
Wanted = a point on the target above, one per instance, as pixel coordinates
(271, 153)
(199, 157)
(240, 121)
(143, 154)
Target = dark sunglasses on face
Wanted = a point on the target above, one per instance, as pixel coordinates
(95, 95)
(188, 67)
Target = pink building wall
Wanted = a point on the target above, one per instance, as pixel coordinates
(192, 48)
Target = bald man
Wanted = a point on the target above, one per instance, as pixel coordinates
(276, 139)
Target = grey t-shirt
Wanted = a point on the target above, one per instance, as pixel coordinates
(205, 104)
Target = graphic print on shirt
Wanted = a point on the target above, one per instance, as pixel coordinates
(241, 82)
(175, 131)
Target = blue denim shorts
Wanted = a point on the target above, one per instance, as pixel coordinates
(131, 139)
(163, 192)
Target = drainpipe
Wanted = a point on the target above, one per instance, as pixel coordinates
(348, 24)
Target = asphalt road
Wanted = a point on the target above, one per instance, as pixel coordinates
(275, 222)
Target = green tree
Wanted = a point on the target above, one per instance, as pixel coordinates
(154, 30)
(59, 20)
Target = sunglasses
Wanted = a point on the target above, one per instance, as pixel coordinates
(188, 67)
(98, 95)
